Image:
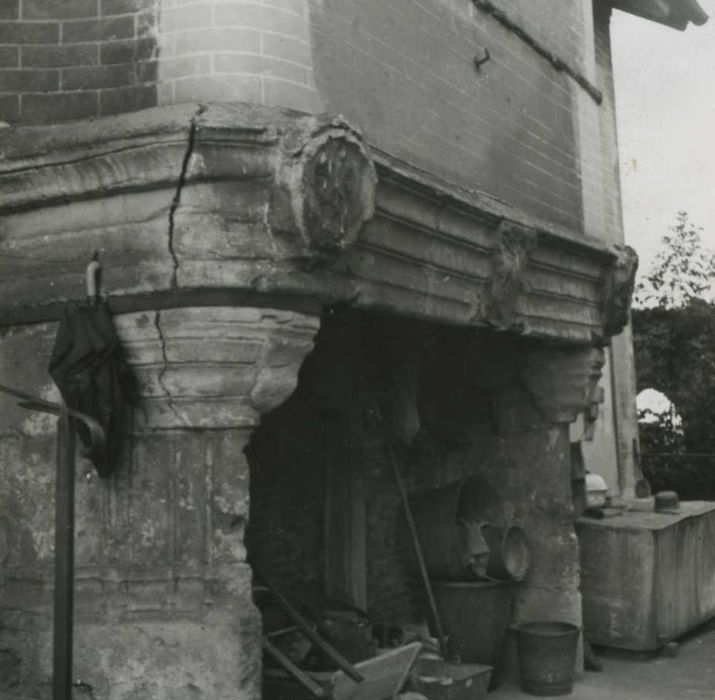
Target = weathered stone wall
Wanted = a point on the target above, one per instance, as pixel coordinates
(164, 607)
(75, 59)
(163, 591)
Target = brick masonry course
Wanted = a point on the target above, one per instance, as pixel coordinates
(62, 60)
(403, 73)
(257, 51)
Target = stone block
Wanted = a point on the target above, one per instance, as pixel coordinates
(286, 48)
(147, 72)
(218, 39)
(57, 107)
(58, 9)
(123, 7)
(10, 9)
(260, 65)
(9, 56)
(284, 93)
(59, 56)
(647, 577)
(29, 33)
(127, 99)
(9, 108)
(94, 77)
(185, 66)
(172, 661)
(32, 80)
(146, 24)
(106, 29)
(127, 50)
(187, 17)
(262, 17)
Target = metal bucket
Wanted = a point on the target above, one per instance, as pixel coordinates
(547, 657)
(475, 616)
(509, 554)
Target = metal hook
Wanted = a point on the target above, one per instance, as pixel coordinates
(93, 270)
(479, 62)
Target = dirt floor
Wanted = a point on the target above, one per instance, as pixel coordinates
(690, 675)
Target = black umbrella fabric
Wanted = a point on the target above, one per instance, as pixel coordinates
(88, 367)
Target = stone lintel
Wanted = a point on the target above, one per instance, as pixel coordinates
(274, 208)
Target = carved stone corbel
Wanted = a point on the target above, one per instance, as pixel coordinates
(325, 190)
(563, 382)
(509, 261)
(619, 291)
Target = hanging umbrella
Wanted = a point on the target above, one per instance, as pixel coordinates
(88, 368)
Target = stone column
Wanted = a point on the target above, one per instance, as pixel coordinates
(163, 592)
(555, 385)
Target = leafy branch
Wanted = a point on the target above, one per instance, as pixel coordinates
(683, 270)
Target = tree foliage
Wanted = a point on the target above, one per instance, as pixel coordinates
(683, 270)
(675, 354)
(674, 344)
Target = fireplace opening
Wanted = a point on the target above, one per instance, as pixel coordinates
(327, 524)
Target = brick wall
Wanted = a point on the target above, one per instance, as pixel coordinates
(73, 59)
(597, 137)
(245, 51)
(285, 531)
(404, 73)
(286, 528)
(556, 24)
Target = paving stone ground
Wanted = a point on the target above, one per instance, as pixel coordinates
(688, 676)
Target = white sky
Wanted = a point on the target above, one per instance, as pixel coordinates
(665, 98)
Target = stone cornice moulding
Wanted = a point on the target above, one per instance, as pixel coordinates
(242, 204)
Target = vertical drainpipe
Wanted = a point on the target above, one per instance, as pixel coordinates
(614, 409)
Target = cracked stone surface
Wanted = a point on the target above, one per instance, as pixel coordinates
(163, 592)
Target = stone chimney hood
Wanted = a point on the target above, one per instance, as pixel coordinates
(673, 13)
(235, 204)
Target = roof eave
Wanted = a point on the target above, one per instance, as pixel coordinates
(672, 13)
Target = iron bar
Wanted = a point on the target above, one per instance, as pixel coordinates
(64, 559)
(64, 528)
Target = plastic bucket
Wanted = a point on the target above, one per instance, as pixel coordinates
(547, 657)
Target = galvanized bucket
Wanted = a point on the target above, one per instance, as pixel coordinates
(547, 657)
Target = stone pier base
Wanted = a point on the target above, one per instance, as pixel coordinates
(163, 591)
